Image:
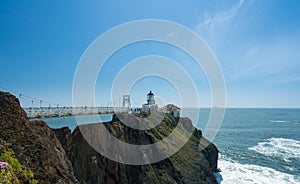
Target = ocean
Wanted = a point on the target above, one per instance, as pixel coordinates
(256, 145)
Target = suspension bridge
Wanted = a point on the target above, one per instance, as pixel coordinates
(49, 112)
(37, 108)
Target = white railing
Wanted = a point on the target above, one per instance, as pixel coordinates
(48, 112)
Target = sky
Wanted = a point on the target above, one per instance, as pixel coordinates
(256, 44)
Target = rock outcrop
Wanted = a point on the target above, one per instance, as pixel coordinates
(35, 145)
(59, 156)
(191, 164)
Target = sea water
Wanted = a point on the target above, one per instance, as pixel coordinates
(256, 145)
(73, 121)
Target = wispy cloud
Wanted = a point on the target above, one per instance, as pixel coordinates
(211, 20)
(274, 62)
(270, 61)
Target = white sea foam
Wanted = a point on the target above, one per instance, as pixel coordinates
(279, 147)
(237, 173)
(277, 121)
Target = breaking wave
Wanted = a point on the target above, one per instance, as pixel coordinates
(278, 147)
(278, 121)
(237, 173)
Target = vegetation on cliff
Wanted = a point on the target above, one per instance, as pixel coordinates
(15, 172)
(188, 165)
(33, 144)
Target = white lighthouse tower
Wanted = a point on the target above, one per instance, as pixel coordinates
(150, 105)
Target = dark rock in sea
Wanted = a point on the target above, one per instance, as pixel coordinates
(35, 145)
(193, 163)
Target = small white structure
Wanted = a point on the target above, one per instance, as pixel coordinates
(171, 109)
(150, 106)
(126, 107)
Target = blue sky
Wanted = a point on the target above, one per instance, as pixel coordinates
(256, 43)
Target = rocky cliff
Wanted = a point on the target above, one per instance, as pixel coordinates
(59, 156)
(34, 144)
(191, 164)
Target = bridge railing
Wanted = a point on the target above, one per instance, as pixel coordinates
(48, 112)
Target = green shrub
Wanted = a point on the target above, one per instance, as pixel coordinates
(9, 176)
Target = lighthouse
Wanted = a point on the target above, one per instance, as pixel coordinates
(150, 98)
(150, 105)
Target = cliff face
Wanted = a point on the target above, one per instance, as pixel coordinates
(35, 145)
(191, 164)
(57, 156)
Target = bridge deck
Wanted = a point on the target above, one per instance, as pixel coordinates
(46, 112)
